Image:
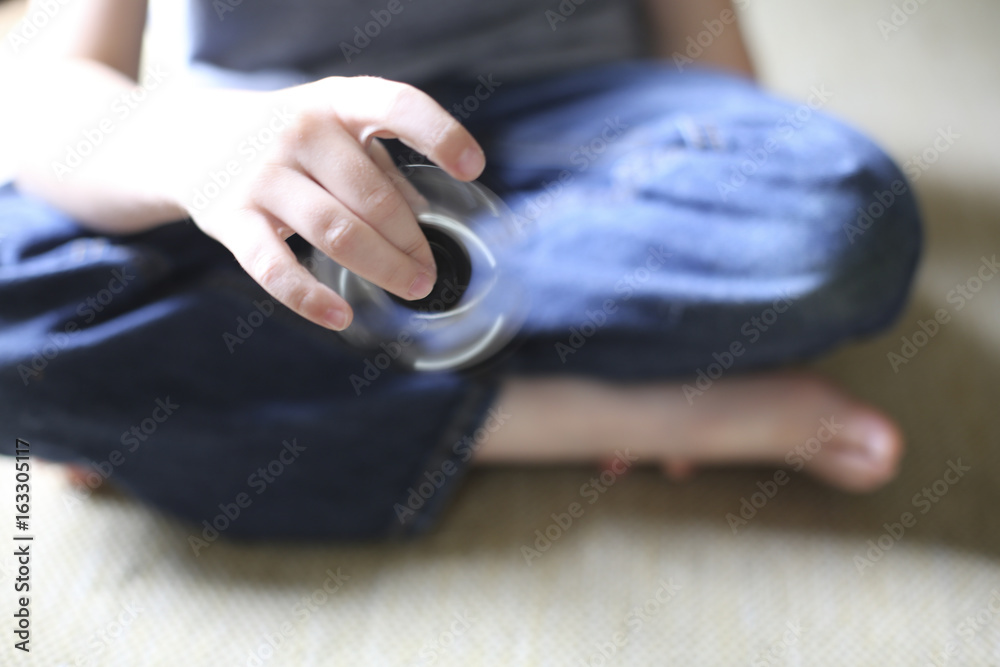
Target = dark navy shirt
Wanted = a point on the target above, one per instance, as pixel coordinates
(272, 43)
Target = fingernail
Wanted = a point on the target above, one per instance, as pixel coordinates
(879, 445)
(336, 319)
(471, 162)
(421, 286)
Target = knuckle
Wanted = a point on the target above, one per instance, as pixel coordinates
(443, 131)
(263, 184)
(314, 215)
(307, 127)
(295, 298)
(342, 236)
(415, 244)
(280, 279)
(402, 92)
(403, 97)
(381, 201)
(267, 269)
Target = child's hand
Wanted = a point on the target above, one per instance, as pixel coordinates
(303, 160)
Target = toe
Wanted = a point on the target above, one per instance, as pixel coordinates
(865, 456)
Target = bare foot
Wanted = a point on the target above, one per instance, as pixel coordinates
(788, 419)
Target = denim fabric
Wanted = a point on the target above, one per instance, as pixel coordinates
(668, 217)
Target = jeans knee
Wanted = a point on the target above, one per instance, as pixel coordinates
(875, 235)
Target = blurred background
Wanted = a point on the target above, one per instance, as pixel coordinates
(652, 573)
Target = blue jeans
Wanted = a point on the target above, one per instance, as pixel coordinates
(684, 226)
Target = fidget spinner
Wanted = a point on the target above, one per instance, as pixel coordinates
(476, 306)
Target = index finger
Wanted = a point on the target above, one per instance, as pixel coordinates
(393, 110)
